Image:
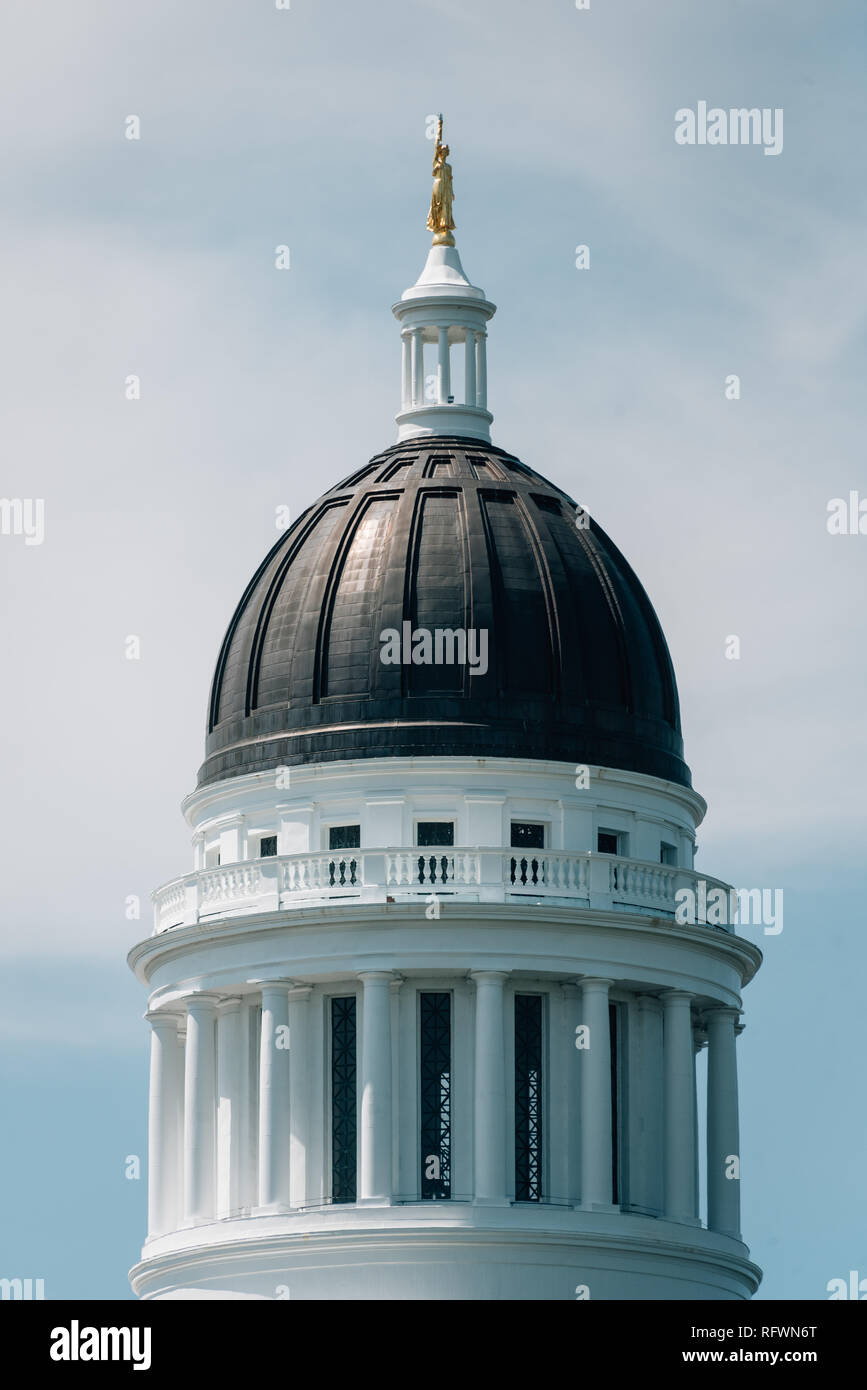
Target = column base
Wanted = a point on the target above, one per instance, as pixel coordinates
(374, 1201)
(272, 1209)
(597, 1206)
(491, 1202)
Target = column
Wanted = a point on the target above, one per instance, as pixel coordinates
(200, 1109)
(470, 368)
(723, 1191)
(596, 1134)
(164, 1108)
(573, 1010)
(274, 1096)
(699, 1040)
(444, 379)
(482, 371)
(406, 371)
(229, 1107)
(375, 1178)
(299, 1093)
(417, 367)
(647, 1184)
(678, 1107)
(248, 1066)
(489, 1101)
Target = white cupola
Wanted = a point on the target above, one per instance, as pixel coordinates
(442, 311)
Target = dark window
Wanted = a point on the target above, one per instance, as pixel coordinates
(614, 1032)
(525, 867)
(343, 1100)
(528, 1097)
(267, 846)
(434, 869)
(435, 1061)
(435, 832)
(607, 842)
(527, 836)
(344, 837)
(667, 853)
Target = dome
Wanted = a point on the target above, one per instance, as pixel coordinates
(444, 533)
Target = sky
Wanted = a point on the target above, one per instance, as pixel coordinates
(155, 257)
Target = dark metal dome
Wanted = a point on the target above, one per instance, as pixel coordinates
(451, 534)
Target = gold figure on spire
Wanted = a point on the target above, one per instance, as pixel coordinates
(440, 220)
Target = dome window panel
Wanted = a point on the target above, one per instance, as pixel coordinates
(351, 627)
(438, 595)
(667, 853)
(267, 846)
(486, 469)
(440, 466)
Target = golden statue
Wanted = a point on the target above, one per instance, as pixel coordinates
(439, 219)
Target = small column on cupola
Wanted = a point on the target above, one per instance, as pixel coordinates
(443, 309)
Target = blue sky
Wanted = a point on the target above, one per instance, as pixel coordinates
(259, 388)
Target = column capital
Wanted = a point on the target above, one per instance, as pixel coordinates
(162, 1018)
(228, 1003)
(676, 996)
(202, 1000)
(488, 976)
(273, 986)
(373, 976)
(717, 1015)
(299, 994)
(599, 983)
